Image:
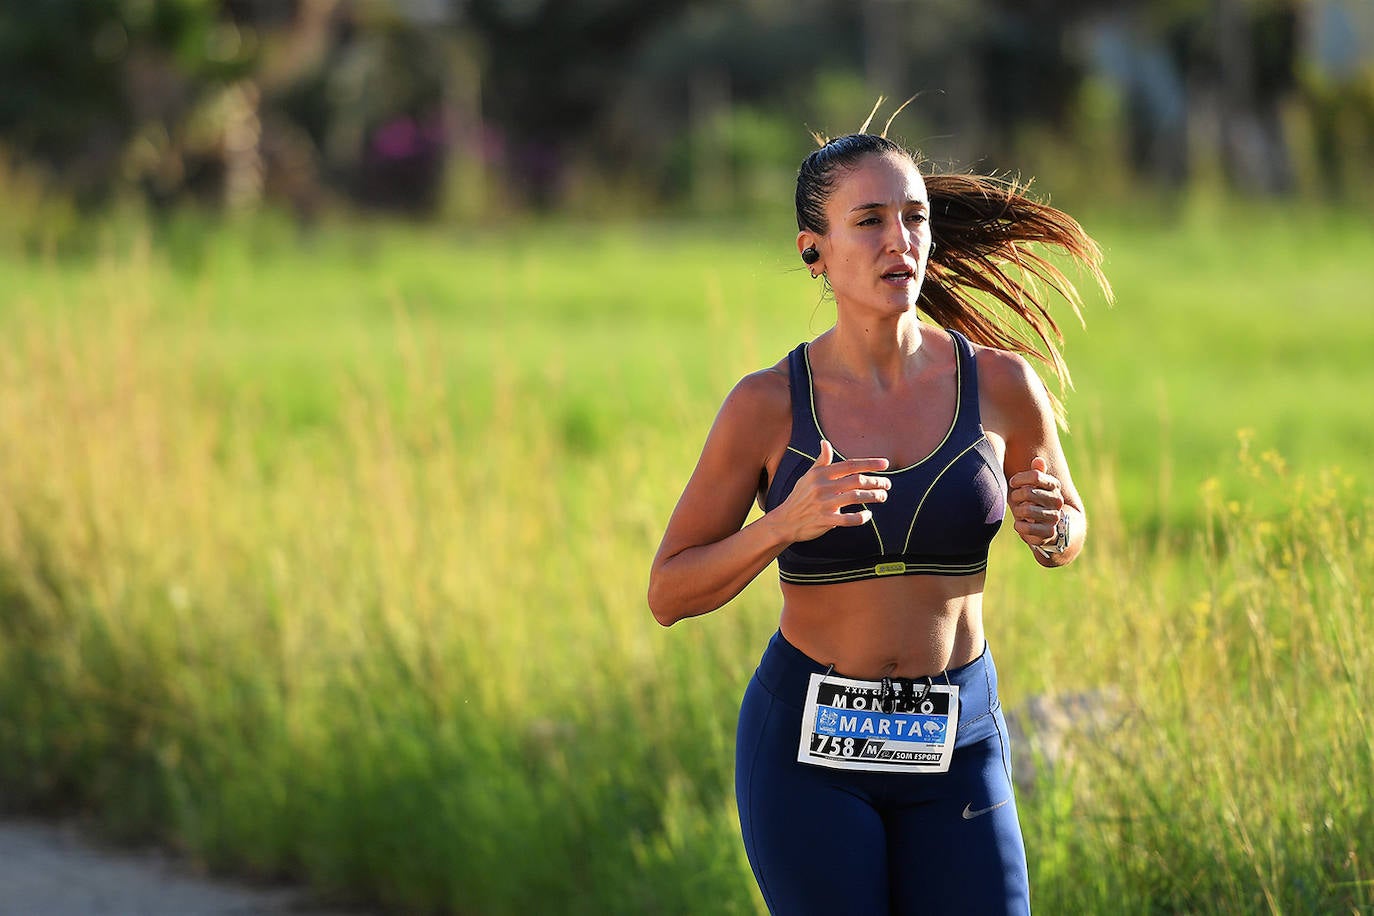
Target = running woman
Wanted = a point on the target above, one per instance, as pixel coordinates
(873, 770)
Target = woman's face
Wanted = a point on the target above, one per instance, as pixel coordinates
(875, 252)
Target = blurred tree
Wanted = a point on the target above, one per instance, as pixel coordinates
(553, 70)
(375, 109)
(1256, 55)
(692, 119)
(1337, 83)
(59, 64)
(399, 102)
(1029, 71)
(1146, 51)
(86, 78)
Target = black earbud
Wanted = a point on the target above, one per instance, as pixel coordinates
(810, 255)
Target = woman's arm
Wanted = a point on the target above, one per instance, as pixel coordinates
(706, 558)
(1040, 490)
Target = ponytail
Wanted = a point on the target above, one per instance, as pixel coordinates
(989, 261)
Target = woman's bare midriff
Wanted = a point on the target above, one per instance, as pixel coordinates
(908, 626)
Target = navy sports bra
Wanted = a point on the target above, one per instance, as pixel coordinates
(940, 514)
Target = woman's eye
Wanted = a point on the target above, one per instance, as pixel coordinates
(916, 217)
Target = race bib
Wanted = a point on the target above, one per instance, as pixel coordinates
(884, 726)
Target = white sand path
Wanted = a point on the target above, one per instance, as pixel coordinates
(52, 870)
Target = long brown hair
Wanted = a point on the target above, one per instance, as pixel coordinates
(989, 257)
(989, 276)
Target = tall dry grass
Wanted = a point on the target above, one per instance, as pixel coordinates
(403, 652)
(411, 666)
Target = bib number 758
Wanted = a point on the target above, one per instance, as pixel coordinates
(833, 746)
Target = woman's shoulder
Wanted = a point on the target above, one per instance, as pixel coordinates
(761, 395)
(755, 421)
(1008, 383)
(1003, 370)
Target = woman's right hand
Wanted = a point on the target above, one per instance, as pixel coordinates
(815, 503)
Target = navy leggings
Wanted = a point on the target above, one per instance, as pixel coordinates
(834, 842)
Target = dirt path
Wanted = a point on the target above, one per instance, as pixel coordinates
(50, 870)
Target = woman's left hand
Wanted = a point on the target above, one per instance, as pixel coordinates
(1037, 502)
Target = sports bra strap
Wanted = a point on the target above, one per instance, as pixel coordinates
(806, 433)
(969, 414)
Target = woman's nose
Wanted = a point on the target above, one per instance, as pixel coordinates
(900, 239)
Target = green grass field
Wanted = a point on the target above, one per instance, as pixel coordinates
(324, 555)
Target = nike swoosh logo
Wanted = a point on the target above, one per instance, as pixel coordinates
(970, 814)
